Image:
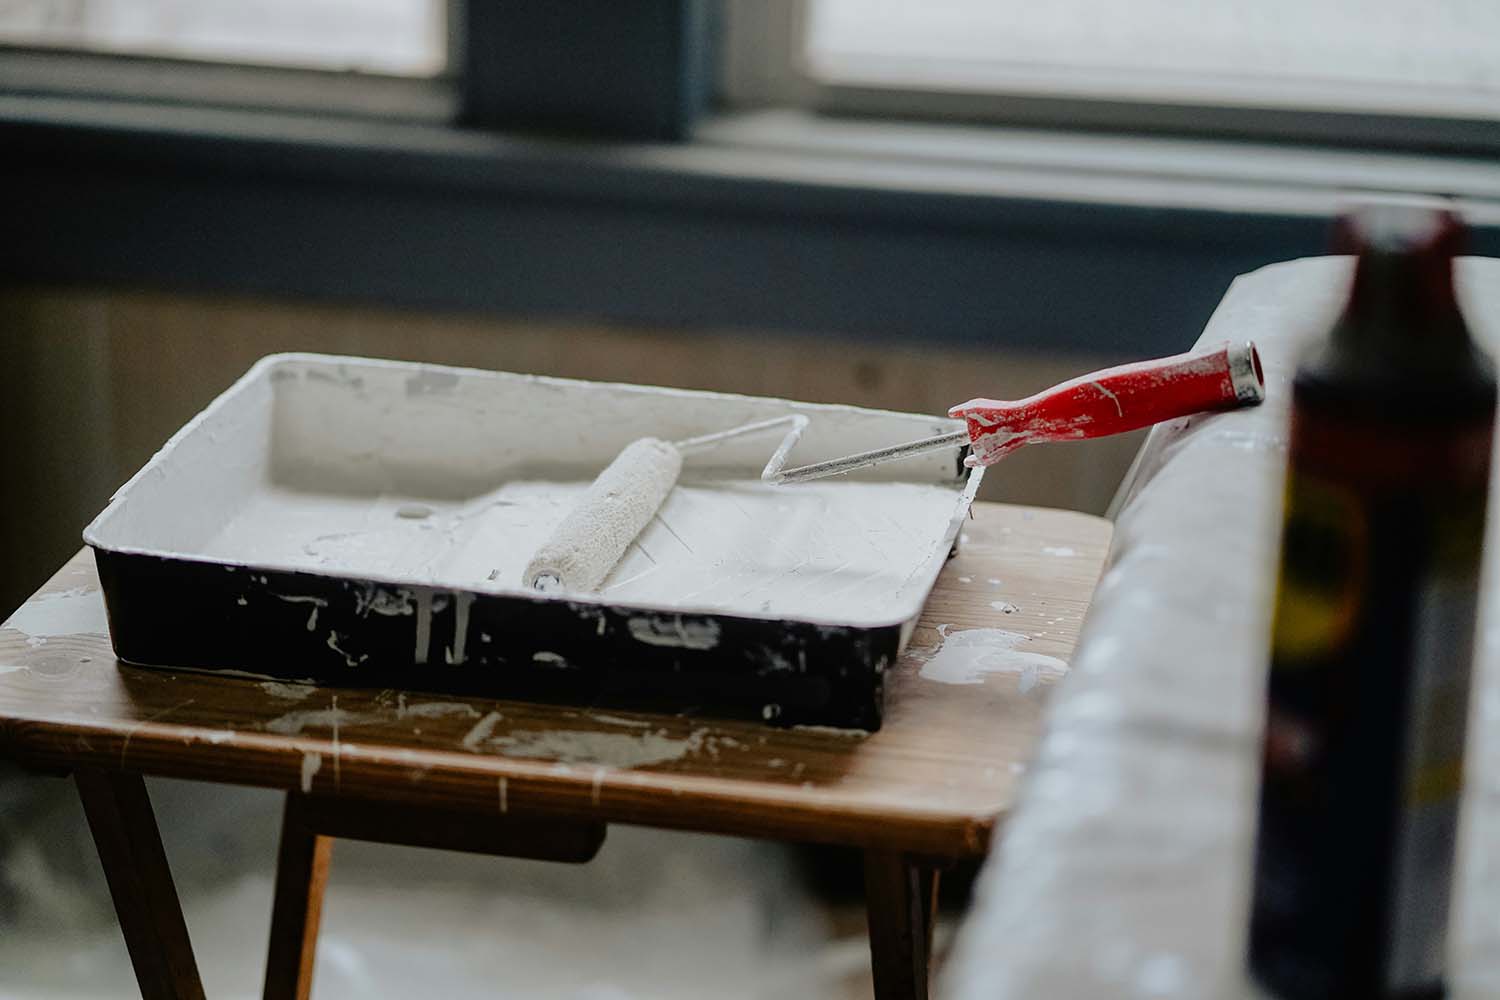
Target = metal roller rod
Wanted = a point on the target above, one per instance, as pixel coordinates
(775, 475)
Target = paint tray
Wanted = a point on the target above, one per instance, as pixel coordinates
(358, 522)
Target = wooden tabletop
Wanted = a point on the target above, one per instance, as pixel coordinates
(934, 780)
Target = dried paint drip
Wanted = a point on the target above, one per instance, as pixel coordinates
(311, 763)
(315, 602)
(675, 632)
(848, 734)
(461, 602)
(968, 657)
(481, 731)
(432, 709)
(615, 720)
(350, 660)
(288, 692)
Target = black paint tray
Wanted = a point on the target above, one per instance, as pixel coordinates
(358, 522)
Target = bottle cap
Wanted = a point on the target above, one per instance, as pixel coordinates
(1400, 225)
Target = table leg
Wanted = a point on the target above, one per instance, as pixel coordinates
(135, 865)
(901, 905)
(301, 873)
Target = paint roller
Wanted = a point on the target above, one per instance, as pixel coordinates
(594, 535)
(580, 554)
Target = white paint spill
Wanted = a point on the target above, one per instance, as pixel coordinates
(671, 630)
(434, 709)
(597, 784)
(10, 668)
(293, 723)
(289, 692)
(969, 656)
(311, 762)
(848, 734)
(1005, 607)
(481, 731)
(993, 581)
(966, 579)
(616, 720)
(79, 611)
(1059, 550)
(220, 736)
(622, 750)
(552, 659)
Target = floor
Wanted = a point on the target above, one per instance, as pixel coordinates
(656, 915)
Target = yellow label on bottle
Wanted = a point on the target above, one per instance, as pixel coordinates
(1320, 588)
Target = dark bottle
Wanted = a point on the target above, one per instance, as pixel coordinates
(1368, 693)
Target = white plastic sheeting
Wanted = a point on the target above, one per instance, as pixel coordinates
(1124, 872)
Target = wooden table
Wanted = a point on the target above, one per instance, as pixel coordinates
(543, 781)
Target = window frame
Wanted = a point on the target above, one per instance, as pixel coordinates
(766, 65)
(45, 72)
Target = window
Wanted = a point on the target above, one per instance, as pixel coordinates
(390, 37)
(1372, 71)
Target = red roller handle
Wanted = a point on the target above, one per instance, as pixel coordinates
(1115, 400)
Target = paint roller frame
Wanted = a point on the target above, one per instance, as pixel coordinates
(564, 563)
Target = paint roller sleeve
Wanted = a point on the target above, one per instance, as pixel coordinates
(597, 531)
